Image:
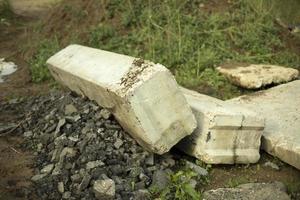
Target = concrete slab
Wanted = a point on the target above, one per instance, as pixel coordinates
(225, 134)
(280, 106)
(143, 96)
(31, 8)
(257, 76)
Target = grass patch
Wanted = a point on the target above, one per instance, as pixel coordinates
(188, 40)
(38, 68)
(235, 181)
(5, 10)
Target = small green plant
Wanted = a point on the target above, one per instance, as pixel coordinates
(235, 181)
(179, 188)
(38, 68)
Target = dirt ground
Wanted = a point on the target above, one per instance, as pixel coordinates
(16, 164)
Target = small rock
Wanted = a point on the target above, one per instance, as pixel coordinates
(61, 122)
(193, 183)
(118, 143)
(66, 195)
(272, 165)
(39, 147)
(60, 187)
(168, 162)
(142, 195)
(70, 109)
(104, 189)
(105, 113)
(160, 179)
(28, 134)
(94, 164)
(85, 182)
(38, 177)
(76, 178)
(150, 159)
(47, 169)
(196, 168)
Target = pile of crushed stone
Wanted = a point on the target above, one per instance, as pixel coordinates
(83, 153)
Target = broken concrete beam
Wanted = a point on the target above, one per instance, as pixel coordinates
(143, 96)
(280, 106)
(257, 76)
(225, 134)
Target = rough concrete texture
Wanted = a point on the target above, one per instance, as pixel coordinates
(143, 96)
(257, 76)
(281, 107)
(249, 191)
(226, 134)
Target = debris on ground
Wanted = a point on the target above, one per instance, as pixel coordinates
(6, 68)
(257, 76)
(77, 158)
(134, 90)
(226, 134)
(280, 106)
(263, 191)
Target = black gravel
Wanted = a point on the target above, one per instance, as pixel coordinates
(80, 143)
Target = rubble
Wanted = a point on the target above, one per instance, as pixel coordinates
(6, 68)
(85, 151)
(226, 134)
(257, 76)
(139, 93)
(280, 106)
(104, 189)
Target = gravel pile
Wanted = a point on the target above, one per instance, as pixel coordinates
(83, 153)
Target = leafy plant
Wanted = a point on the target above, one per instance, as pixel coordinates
(179, 188)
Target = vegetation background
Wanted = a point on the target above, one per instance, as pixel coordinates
(190, 37)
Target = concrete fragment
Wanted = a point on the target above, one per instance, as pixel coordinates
(104, 189)
(272, 165)
(38, 177)
(70, 109)
(226, 134)
(280, 106)
(256, 76)
(47, 169)
(197, 169)
(160, 179)
(94, 164)
(139, 93)
(61, 187)
(257, 191)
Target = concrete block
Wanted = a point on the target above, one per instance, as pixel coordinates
(280, 106)
(225, 134)
(143, 96)
(257, 76)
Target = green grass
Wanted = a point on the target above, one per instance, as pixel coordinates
(5, 13)
(37, 63)
(189, 41)
(235, 181)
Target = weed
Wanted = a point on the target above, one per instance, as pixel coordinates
(235, 181)
(179, 188)
(38, 68)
